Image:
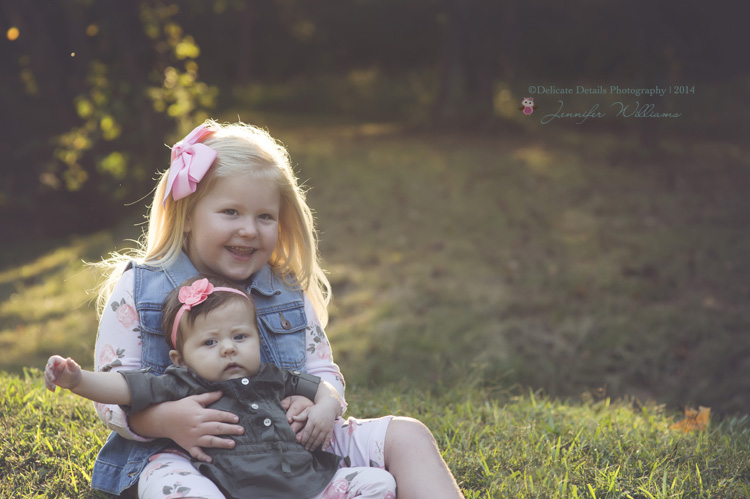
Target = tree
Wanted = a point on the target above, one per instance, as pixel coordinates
(97, 88)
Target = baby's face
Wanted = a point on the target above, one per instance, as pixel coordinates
(222, 344)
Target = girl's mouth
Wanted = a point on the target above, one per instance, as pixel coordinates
(241, 250)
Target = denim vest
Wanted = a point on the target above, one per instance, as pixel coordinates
(281, 323)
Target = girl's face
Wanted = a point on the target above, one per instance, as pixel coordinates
(222, 344)
(234, 228)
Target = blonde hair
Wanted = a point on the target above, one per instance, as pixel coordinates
(241, 149)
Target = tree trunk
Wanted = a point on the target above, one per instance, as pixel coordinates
(470, 60)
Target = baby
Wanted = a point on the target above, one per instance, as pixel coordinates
(215, 345)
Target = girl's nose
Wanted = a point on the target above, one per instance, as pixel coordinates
(248, 229)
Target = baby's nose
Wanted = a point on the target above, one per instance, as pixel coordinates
(228, 347)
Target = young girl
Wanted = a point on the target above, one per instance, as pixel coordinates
(230, 206)
(215, 345)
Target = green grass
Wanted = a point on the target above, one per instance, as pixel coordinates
(569, 263)
(49, 442)
(497, 445)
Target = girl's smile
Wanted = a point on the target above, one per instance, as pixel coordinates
(241, 252)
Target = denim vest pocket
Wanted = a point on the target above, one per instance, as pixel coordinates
(283, 332)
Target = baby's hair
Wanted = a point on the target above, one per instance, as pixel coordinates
(172, 305)
(241, 149)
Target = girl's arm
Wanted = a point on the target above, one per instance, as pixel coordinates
(189, 424)
(103, 387)
(118, 347)
(319, 362)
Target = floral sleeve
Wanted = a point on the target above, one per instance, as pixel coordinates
(118, 347)
(319, 356)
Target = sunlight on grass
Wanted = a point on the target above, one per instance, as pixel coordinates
(565, 262)
(57, 258)
(55, 296)
(50, 306)
(536, 158)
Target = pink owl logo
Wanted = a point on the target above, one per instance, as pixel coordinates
(527, 105)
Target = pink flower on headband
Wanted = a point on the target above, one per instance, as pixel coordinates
(195, 293)
(190, 162)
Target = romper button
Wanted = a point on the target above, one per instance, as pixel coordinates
(296, 373)
(254, 406)
(267, 422)
(245, 381)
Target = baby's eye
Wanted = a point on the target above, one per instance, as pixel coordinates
(209, 343)
(240, 336)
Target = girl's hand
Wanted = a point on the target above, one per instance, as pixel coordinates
(319, 428)
(189, 424)
(64, 373)
(295, 406)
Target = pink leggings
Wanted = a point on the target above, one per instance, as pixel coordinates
(170, 474)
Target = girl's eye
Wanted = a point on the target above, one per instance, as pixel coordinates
(230, 211)
(266, 216)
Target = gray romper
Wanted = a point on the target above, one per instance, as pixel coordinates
(267, 461)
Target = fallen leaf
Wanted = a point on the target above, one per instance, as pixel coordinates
(694, 420)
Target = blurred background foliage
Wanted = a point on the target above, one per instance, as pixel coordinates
(87, 85)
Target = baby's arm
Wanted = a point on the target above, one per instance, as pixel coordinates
(103, 387)
(320, 417)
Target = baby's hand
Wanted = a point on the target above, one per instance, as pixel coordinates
(61, 372)
(319, 428)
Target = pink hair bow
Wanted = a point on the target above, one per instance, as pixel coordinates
(196, 294)
(190, 162)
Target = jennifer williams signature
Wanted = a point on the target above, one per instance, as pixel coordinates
(623, 110)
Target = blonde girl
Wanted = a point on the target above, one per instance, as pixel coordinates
(230, 206)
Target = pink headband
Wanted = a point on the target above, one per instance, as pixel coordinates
(194, 294)
(190, 162)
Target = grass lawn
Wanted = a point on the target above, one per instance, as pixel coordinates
(497, 445)
(465, 271)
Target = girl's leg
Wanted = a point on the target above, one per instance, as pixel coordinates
(172, 475)
(361, 440)
(362, 483)
(413, 458)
